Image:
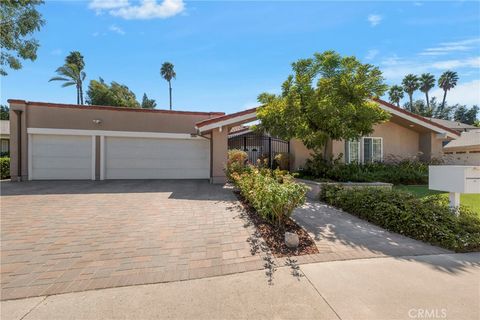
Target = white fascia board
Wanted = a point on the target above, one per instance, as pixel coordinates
(246, 117)
(109, 133)
(416, 121)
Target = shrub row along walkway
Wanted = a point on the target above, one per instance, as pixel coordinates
(341, 236)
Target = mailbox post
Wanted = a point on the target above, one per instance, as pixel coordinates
(454, 179)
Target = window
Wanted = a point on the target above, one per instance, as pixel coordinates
(367, 150)
(4, 146)
(372, 150)
(352, 151)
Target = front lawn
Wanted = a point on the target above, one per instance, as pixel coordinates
(470, 200)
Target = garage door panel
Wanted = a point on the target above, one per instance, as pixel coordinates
(61, 157)
(155, 158)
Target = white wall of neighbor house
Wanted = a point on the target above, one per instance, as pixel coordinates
(466, 158)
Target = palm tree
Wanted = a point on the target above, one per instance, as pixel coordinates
(427, 82)
(71, 76)
(448, 80)
(410, 85)
(168, 74)
(395, 94)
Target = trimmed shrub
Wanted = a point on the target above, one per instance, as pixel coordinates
(429, 219)
(273, 194)
(403, 172)
(5, 167)
(236, 163)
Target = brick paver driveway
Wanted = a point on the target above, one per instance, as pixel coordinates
(63, 236)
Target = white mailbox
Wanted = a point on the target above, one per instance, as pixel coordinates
(454, 179)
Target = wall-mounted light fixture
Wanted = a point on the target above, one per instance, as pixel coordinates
(97, 121)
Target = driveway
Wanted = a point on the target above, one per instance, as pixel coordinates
(65, 236)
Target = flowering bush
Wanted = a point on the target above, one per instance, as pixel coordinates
(236, 162)
(273, 194)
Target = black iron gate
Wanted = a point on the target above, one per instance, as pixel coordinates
(271, 151)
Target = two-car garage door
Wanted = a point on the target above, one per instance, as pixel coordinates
(75, 157)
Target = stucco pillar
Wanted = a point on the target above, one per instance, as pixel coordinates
(430, 146)
(219, 152)
(18, 143)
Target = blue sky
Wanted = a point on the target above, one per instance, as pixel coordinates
(226, 53)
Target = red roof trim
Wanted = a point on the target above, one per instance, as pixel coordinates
(416, 116)
(224, 117)
(95, 107)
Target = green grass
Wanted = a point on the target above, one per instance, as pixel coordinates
(470, 200)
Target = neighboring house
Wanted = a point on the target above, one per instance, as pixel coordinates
(464, 150)
(455, 125)
(62, 141)
(4, 137)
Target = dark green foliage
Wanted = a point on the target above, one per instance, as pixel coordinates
(19, 20)
(447, 81)
(431, 110)
(402, 172)
(326, 97)
(4, 112)
(429, 219)
(148, 103)
(76, 58)
(115, 94)
(4, 167)
(395, 94)
(465, 115)
(410, 84)
(168, 73)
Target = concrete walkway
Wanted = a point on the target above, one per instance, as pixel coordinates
(420, 287)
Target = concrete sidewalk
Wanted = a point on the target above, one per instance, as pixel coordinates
(420, 287)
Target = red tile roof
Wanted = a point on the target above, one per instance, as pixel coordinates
(96, 107)
(225, 117)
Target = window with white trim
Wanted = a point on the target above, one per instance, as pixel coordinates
(365, 150)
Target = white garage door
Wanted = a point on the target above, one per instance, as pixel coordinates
(60, 157)
(155, 158)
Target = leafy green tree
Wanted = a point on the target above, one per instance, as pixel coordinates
(447, 81)
(327, 97)
(168, 73)
(76, 58)
(432, 110)
(115, 94)
(427, 82)
(71, 76)
(465, 115)
(4, 112)
(148, 103)
(395, 94)
(410, 84)
(19, 19)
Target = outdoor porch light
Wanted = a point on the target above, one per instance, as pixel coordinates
(97, 121)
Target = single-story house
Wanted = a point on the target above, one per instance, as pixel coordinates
(63, 141)
(465, 150)
(455, 125)
(4, 137)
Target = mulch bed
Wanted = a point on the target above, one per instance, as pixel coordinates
(274, 238)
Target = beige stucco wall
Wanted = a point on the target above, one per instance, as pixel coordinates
(299, 154)
(219, 153)
(399, 142)
(35, 116)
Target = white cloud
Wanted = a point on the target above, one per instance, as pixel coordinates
(371, 54)
(451, 47)
(374, 19)
(116, 29)
(146, 9)
(418, 4)
(464, 93)
(99, 5)
(450, 64)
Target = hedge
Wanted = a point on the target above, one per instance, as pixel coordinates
(5, 167)
(402, 172)
(428, 219)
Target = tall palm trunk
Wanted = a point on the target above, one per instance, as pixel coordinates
(81, 93)
(410, 95)
(428, 101)
(444, 98)
(78, 94)
(170, 92)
